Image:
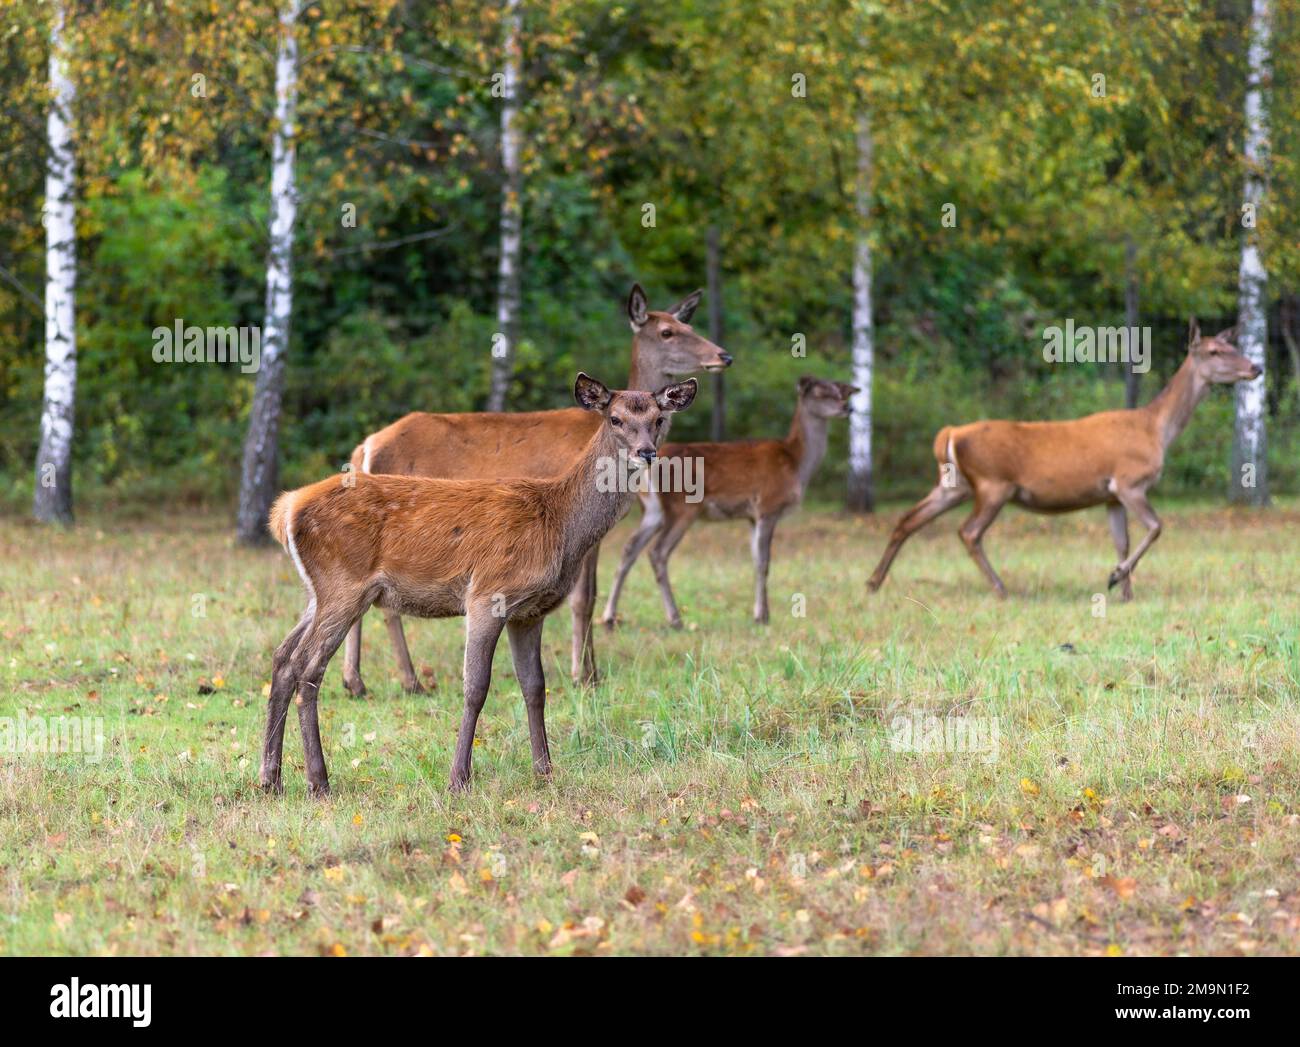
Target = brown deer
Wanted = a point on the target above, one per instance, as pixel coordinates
(1112, 458)
(502, 553)
(534, 444)
(756, 480)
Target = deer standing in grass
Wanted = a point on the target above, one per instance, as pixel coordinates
(502, 553)
(535, 444)
(756, 480)
(1112, 459)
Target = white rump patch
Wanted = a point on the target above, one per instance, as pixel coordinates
(293, 552)
(365, 456)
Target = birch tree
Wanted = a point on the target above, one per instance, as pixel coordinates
(508, 304)
(861, 492)
(1249, 476)
(53, 499)
(260, 477)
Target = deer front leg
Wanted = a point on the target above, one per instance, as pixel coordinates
(663, 549)
(761, 547)
(582, 602)
(526, 650)
(482, 630)
(651, 523)
(1117, 517)
(1135, 501)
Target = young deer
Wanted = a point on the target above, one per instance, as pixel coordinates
(1111, 458)
(534, 444)
(503, 554)
(758, 480)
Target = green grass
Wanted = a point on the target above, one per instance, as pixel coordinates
(727, 788)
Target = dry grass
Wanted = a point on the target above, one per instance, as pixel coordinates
(728, 788)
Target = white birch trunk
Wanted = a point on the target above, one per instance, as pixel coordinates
(259, 480)
(508, 304)
(53, 499)
(1250, 479)
(861, 495)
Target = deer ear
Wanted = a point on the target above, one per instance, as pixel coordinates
(847, 390)
(591, 394)
(1229, 334)
(806, 382)
(677, 397)
(685, 309)
(637, 307)
(1193, 331)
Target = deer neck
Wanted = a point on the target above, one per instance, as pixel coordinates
(646, 374)
(807, 443)
(1172, 408)
(591, 497)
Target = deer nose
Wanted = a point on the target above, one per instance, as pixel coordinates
(646, 454)
(1255, 371)
(726, 358)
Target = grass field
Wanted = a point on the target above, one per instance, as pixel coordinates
(726, 789)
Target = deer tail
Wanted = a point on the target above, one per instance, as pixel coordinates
(279, 519)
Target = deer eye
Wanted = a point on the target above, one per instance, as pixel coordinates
(615, 421)
(658, 422)
(667, 332)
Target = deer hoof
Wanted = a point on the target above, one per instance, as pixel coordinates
(271, 784)
(318, 790)
(1116, 576)
(873, 586)
(609, 624)
(413, 687)
(355, 686)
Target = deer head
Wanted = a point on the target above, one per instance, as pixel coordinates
(823, 398)
(664, 342)
(1216, 359)
(634, 419)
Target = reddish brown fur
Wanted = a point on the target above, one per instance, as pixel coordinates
(502, 553)
(486, 445)
(1111, 458)
(755, 480)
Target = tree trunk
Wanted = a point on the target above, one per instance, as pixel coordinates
(260, 479)
(1250, 479)
(713, 281)
(508, 305)
(1131, 377)
(53, 499)
(861, 494)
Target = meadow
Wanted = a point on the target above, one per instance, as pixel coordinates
(728, 788)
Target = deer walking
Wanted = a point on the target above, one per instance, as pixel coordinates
(534, 444)
(502, 553)
(1111, 458)
(756, 480)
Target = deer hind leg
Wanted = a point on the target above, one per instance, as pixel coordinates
(405, 668)
(652, 522)
(283, 683)
(526, 651)
(663, 549)
(989, 501)
(482, 630)
(310, 660)
(1117, 517)
(940, 499)
(1135, 501)
(761, 548)
(582, 602)
(352, 661)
